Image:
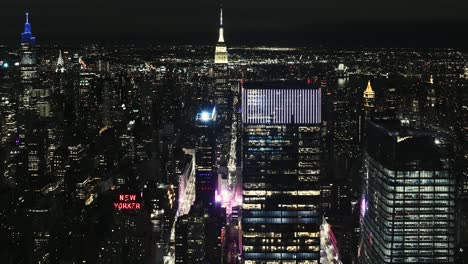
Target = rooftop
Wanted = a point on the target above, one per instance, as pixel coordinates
(281, 84)
(398, 146)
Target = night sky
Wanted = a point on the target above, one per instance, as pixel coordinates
(401, 22)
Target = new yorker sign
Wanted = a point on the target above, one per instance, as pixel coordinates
(127, 202)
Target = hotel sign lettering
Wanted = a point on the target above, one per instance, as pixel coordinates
(127, 202)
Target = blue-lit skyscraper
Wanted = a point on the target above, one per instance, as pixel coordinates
(281, 144)
(28, 56)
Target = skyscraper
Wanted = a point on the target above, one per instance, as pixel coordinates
(221, 91)
(367, 110)
(429, 103)
(60, 65)
(28, 56)
(281, 168)
(221, 55)
(369, 97)
(408, 204)
(187, 183)
(190, 237)
(205, 176)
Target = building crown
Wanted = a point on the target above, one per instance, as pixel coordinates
(369, 92)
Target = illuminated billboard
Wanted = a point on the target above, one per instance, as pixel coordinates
(127, 202)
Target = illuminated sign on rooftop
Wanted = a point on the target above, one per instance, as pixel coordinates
(127, 202)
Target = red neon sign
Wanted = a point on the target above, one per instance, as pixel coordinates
(127, 202)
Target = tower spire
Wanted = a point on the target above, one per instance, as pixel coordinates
(369, 88)
(60, 64)
(221, 30)
(26, 36)
(221, 17)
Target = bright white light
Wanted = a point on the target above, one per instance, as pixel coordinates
(5, 65)
(217, 197)
(239, 201)
(437, 141)
(205, 116)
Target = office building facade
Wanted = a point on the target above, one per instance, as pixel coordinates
(408, 206)
(281, 168)
(205, 159)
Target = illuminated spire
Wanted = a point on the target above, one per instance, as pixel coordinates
(221, 55)
(221, 17)
(60, 64)
(27, 26)
(369, 91)
(60, 59)
(369, 96)
(221, 30)
(431, 80)
(26, 36)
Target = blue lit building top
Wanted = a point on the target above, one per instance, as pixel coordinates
(26, 36)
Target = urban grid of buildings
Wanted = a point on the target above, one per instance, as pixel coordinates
(256, 155)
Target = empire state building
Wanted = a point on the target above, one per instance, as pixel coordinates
(220, 93)
(28, 56)
(221, 55)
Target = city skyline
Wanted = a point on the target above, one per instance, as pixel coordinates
(224, 150)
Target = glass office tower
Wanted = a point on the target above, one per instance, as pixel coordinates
(408, 207)
(280, 172)
(205, 171)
